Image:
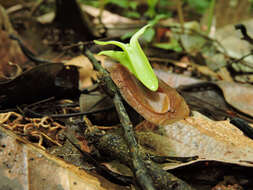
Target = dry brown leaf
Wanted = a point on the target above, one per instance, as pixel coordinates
(238, 95)
(224, 74)
(175, 80)
(46, 18)
(10, 52)
(108, 18)
(199, 136)
(206, 70)
(23, 166)
(213, 140)
(86, 71)
(161, 107)
(116, 25)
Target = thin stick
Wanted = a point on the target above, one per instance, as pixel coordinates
(180, 15)
(139, 168)
(210, 16)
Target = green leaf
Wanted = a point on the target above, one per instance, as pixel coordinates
(135, 37)
(119, 56)
(199, 6)
(151, 8)
(127, 35)
(148, 35)
(121, 3)
(116, 43)
(132, 14)
(172, 45)
(133, 4)
(134, 59)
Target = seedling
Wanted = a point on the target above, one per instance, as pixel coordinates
(134, 59)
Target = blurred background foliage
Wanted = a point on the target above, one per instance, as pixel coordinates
(226, 11)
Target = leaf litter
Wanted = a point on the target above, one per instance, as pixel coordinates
(218, 144)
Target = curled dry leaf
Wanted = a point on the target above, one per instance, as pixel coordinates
(161, 107)
(240, 96)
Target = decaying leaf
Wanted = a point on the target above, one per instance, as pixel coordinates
(10, 53)
(175, 80)
(23, 166)
(238, 95)
(86, 71)
(215, 175)
(161, 107)
(39, 83)
(200, 136)
(112, 21)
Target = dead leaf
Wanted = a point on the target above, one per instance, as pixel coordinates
(238, 95)
(161, 107)
(86, 72)
(175, 80)
(23, 166)
(29, 86)
(10, 52)
(116, 25)
(224, 74)
(108, 18)
(46, 18)
(212, 140)
(205, 70)
(205, 174)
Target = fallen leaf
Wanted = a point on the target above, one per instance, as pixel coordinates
(230, 38)
(86, 72)
(205, 174)
(108, 18)
(175, 80)
(212, 140)
(46, 18)
(11, 55)
(161, 107)
(224, 74)
(23, 166)
(238, 95)
(58, 80)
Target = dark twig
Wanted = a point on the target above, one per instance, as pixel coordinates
(244, 32)
(28, 53)
(28, 110)
(242, 58)
(138, 166)
(101, 169)
(171, 159)
(247, 38)
(113, 145)
(35, 114)
(244, 63)
(243, 126)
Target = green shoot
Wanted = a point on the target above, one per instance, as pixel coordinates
(134, 59)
